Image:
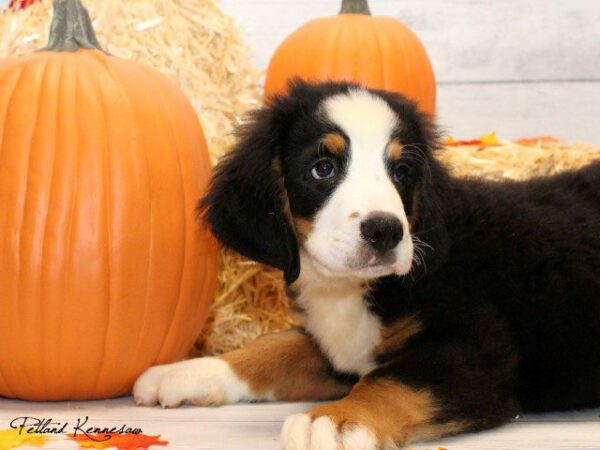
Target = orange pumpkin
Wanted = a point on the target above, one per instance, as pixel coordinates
(377, 52)
(104, 268)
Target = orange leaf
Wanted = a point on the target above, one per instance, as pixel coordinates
(453, 143)
(540, 141)
(487, 140)
(128, 441)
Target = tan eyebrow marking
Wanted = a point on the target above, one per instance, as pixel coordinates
(334, 142)
(394, 149)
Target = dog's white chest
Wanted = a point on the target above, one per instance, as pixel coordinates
(338, 318)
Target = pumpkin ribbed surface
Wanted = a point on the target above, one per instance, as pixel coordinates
(104, 267)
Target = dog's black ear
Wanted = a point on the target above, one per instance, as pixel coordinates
(246, 205)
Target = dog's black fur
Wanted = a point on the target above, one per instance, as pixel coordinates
(509, 292)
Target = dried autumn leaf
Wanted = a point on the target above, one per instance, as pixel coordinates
(128, 441)
(17, 437)
(540, 141)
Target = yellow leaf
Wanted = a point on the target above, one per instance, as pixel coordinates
(13, 438)
(489, 140)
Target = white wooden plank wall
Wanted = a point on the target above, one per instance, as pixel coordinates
(521, 67)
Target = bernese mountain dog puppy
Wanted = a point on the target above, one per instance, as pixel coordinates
(432, 305)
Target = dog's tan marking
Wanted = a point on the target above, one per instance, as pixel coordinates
(286, 366)
(335, 143)
(303, 228)
(354, 215)
(394, 149)
(393, 412)
(394, 336)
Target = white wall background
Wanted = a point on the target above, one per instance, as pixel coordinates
(520, 67)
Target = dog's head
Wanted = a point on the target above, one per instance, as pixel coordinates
(330, 169)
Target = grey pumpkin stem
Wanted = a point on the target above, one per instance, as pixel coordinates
(355, 7)
(71, 28)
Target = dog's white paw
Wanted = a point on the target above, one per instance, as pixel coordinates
(300, 432)
(201, 381)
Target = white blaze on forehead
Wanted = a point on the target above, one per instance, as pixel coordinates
(362, 115)
(369, 122)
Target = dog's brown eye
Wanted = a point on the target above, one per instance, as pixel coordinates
(401, 173)
(323, 169)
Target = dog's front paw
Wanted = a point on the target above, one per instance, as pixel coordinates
(314, 432)
(201, 381)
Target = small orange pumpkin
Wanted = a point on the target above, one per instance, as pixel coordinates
(377, 52)
(104, 268)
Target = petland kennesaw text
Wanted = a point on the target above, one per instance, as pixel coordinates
(28, 424)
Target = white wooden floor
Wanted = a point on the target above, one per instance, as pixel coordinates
(256, 426)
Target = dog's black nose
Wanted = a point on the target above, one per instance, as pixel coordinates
(382, 231)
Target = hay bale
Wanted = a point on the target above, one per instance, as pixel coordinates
(518, 160)
(198, 47)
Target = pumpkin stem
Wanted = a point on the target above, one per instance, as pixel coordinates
(355, 7)
(71, 28)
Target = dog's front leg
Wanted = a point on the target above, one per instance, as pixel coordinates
(377, 414)
(283, 366)
(426, 393)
